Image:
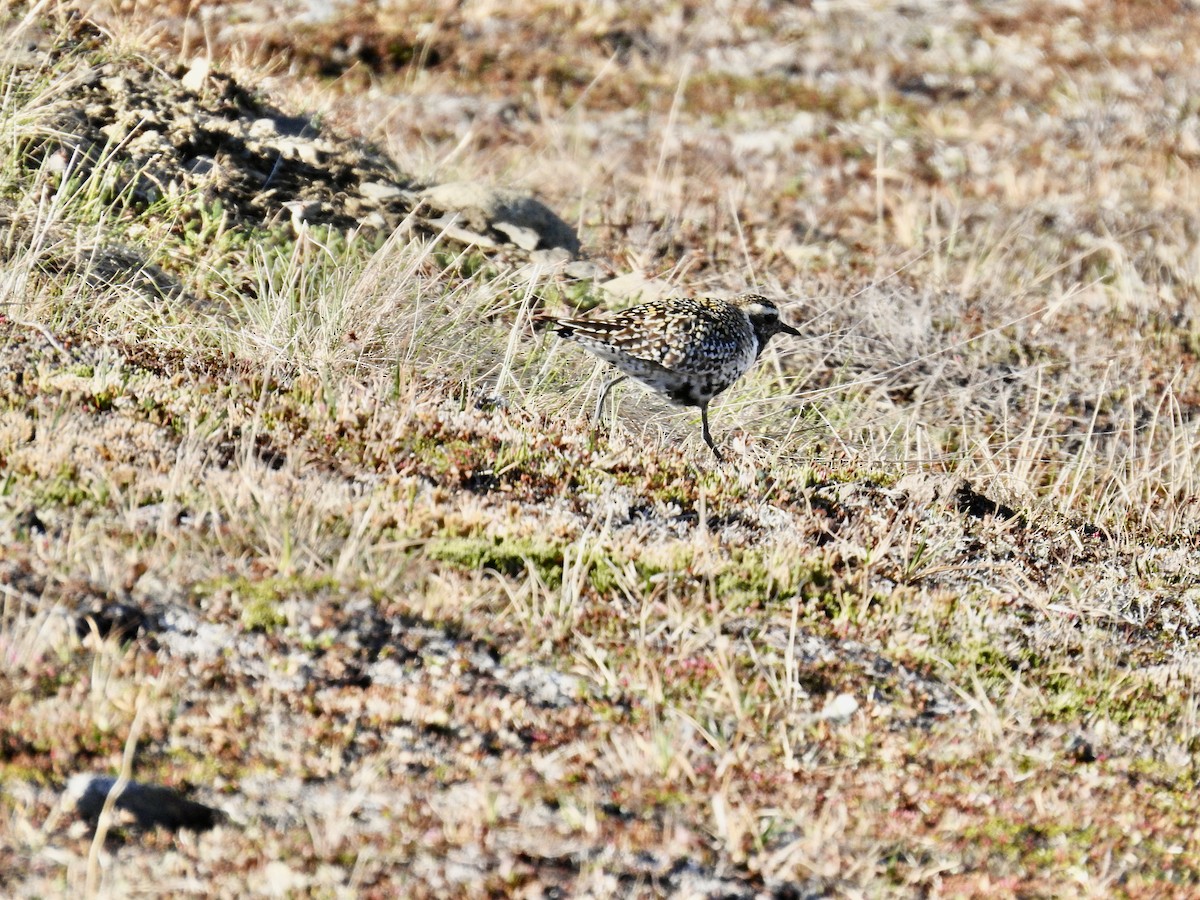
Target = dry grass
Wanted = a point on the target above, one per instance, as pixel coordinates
(419, 629)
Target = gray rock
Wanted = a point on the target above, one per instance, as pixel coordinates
(521, 219)
(545, 687)
(379, 190)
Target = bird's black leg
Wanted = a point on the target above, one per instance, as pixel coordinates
(708, 434)
(604, 393)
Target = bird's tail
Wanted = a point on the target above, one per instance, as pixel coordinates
(561, 327)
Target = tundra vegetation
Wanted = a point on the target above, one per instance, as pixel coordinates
(301, 520)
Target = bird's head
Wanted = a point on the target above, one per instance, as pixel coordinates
(764, 318)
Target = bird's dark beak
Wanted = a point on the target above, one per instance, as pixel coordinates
(785, 328)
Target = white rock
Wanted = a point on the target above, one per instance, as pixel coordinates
(840, 708)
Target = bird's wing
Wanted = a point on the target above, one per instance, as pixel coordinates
(664, 334)
(697, 343)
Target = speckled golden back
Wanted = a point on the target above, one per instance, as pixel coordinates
(683, 335)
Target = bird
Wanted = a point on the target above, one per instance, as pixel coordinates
(688, 349)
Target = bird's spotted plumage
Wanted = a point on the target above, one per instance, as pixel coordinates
(690, 350)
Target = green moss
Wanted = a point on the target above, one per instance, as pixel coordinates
(603, 577)
(103, 401)
(448, 455)
(40, 775)
(579, 296)
(754, 577)
(1043, 844)
(65, 488)
(506, 555)
(261, 612)
(1183, 779)
(260, 600)
(472, 264)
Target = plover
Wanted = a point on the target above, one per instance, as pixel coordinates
(688, 350)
